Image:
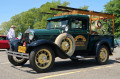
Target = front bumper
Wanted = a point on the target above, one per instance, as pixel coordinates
(18, 54)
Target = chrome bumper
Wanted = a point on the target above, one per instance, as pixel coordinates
(18, 54)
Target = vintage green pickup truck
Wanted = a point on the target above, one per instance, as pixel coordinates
(68, 35)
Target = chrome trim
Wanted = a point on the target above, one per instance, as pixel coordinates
(18, 54)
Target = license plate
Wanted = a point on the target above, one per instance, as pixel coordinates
(22, 49)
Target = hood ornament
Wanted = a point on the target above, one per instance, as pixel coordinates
(28, 30)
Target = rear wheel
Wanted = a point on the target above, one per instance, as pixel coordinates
(42, 59)
(102, 55)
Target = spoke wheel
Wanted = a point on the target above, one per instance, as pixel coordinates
(42, 59)
(16, 61)
(102, 55)
(66, 45)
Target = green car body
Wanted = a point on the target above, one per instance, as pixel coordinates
(86, 44)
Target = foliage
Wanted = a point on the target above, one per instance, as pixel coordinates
(113, 7)
(84, 7)
(5, 27)
(31, 18)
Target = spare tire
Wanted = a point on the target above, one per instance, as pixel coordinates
(66, 42)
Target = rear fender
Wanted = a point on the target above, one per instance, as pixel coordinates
(102, 42)
(57, 50)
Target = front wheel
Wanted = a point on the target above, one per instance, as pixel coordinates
(102, 55)
(42, 59)
(16, 61)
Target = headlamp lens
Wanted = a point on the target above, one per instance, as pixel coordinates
(19, 35)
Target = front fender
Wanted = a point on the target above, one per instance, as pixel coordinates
(40, 42)
(57, 50)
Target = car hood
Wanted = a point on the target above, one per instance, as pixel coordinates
(46, 31)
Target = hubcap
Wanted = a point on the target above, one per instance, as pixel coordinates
(66, 45)
(103, 54)
(43, 58)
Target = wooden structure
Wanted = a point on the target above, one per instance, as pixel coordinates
(93, 16)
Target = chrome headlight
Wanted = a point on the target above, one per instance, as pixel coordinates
(31, 35)
(20, 35)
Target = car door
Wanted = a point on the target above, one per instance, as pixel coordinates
(80, 32)
(4, 43)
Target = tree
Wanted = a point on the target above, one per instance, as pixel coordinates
(32, 18)
(84, 7)
(45, 8)
(5, 27)
(113, 7)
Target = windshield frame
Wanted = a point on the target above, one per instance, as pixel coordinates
(57, 20)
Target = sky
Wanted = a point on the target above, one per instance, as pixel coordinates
(10, 8)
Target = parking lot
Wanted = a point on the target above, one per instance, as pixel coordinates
(63, 69)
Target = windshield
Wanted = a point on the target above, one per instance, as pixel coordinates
(57, 24)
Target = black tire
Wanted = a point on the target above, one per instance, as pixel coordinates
(66, 42)
(39, 58)
(102, 55)
(16, 61)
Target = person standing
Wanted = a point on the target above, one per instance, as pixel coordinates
(11, 33)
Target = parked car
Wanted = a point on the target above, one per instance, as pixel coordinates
(118, 41)
(4, 42)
